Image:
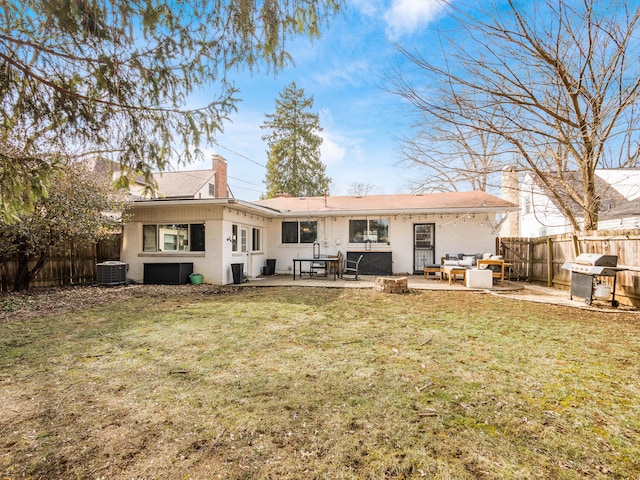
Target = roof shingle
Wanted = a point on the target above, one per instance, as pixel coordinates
(398, 203)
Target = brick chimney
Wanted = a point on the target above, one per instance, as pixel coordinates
(219, 166)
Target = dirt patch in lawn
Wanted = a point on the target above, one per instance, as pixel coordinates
(47, 301)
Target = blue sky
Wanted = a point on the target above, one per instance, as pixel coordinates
(345, 72)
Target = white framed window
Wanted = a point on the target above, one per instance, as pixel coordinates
(369, 230)
(299, 232)
(187, 237)
(244, 239)
(256, 239)
(234, 238)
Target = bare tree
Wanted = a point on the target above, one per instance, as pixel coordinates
(555, 85)
(453, 157)
(359, 189)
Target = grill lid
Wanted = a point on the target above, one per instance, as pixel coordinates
(594, 264)
(597, 260)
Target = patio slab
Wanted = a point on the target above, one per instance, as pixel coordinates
(511, 289)
(417, 282)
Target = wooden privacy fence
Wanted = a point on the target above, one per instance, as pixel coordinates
(69, 264)
(540, 259)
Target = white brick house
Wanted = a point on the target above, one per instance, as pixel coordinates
(398, 233)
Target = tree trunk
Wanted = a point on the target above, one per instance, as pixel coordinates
(24, 276)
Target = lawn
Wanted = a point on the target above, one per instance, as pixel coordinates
(292, 383)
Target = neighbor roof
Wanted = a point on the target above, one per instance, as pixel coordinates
(476, 201)
(619, 194)
(182, 184)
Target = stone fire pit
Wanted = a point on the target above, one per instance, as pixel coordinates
(391, 285)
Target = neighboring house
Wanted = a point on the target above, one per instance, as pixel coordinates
(540, 215)
(111, 171)
(173, 185)
(397, 233)
(194, 183)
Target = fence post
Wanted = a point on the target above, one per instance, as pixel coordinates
(549, 262)
(576, 245)
(530, 262)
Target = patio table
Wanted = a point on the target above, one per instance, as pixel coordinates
(328, 261)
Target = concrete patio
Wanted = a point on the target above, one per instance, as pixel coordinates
(417, 282)
(511, 289)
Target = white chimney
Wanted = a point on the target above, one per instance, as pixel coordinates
(511, 193)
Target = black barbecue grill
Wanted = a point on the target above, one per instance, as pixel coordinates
(586, 269)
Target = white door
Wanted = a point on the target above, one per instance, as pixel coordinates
(423, 246)
(245, 248)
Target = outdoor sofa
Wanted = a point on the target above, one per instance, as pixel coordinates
(454, 262)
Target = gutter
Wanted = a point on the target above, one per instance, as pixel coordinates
(398, 212)
(240, 204)
(272, 212)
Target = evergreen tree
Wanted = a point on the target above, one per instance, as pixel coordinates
(118, 78)
(294, 165)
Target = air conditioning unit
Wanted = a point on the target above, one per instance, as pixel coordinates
(111, 273)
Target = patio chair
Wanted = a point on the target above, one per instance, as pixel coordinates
(497, 267)
(337, 265)
(352, 267)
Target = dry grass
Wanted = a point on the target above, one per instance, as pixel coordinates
(289, 383)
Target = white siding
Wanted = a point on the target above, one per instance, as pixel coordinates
(538, 215)
(453, 234)
(214, 263)
(470, 234)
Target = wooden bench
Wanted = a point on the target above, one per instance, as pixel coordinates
(428, 269)
(451, 271)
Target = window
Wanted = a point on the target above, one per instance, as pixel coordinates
(299, 232)
(308, 232)
(243, 240)
(196, 237)
(289, 232)
(255, 239)
(234, 238)
(212, 190)
(173, 238)
(374, 231)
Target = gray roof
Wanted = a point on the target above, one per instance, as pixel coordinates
(182, 184)
(613, 205)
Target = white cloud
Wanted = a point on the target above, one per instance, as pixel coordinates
(366, 7)
(351, 73)
(405, 16)
(331, 152)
